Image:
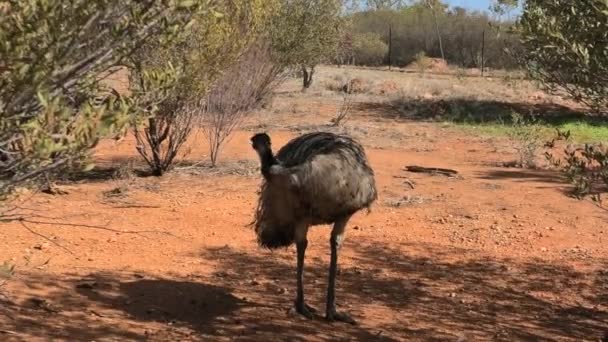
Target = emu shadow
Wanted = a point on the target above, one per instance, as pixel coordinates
(439, 293)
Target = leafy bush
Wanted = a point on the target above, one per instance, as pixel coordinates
(565, 47)
(53, 108)
(586, 167)
(369, 49)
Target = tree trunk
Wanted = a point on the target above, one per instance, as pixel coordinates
(307, 77)
(390, 46)
(437, 30)
(483, 47)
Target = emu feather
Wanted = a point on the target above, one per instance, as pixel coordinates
(318, 178)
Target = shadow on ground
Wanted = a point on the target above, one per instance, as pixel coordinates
(113, 306)
(523, 175)
(463, 110)
(435, 298)
(409, 292)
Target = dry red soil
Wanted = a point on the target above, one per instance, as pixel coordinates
(494, 254)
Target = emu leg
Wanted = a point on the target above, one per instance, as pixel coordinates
(337, 236)
(301, 244)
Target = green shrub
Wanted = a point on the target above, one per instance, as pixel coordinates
(527, 138)
(53, 107)
(586, 167)
(369, 49)
(565, 47)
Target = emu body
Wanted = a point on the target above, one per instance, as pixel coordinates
(317, 178)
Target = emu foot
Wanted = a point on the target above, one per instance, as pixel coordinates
(304, 310)
(333, 315)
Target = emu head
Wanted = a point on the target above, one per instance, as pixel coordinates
(261, 143)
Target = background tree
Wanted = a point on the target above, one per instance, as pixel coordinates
(414, 31)
(385, 4)
(437, 6)
(53, 109)
(305, 33)
(503, 7)
(566, 47)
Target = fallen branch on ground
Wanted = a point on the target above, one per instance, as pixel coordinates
(431, 170)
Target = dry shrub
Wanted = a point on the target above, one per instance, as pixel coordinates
(352, 86)
(386, 88)
(160, 140)
(358, 86)
(243, 87)
(335, 83)
(424, 64)
(344, 109)
(7, 270)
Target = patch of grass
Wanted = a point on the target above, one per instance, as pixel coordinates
(586, 132)
(581, 132)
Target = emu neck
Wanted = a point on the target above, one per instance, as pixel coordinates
(268, 160)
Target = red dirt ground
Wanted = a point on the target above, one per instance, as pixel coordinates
(497, 254)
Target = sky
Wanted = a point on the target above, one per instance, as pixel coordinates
(481, 5)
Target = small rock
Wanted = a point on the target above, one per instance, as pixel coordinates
(543, 249)
(281, 290)
(356, 228)
(254, 282)
(453, 295)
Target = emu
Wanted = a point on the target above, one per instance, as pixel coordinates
(317, 178)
